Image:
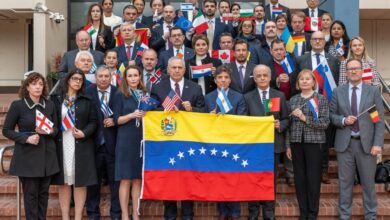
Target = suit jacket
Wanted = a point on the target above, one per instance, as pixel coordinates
(235, 98)
(304, 62)
(259, 55)
(191, 92)
(109, 133)
(320, 12)
(219, 28)
(286, 10)
(256, 108)
(165, 55)
(249, 84)
(209, 80)
(108, 39)
(67, 61)
(292, 76)
(371, 134)
(306, 46)
(122, 55)
(147, 21)
(156, 41)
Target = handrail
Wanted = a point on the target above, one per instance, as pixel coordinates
(3, 171)
(384, 84)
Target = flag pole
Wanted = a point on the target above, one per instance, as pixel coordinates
(299, 108)
(368, 109)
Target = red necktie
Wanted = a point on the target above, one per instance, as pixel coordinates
(128, 53)
(177, 90)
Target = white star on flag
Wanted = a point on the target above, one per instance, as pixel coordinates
(235, 157)
(180, 154)
(191, 151)
(214, 152)
(225, 153)
(202, 150)
(172, 161)
(244, 163)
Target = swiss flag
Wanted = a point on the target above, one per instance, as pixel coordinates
(226, 56)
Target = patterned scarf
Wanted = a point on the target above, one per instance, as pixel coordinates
(69, 103)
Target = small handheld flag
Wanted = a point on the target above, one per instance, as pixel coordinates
(272, 105)
(186, 7)
(89, 29)
(298, 38)
(200, 24)
(107, 112)
(68, 121)
(325, 80)
(276, 12)
(184, 24)
(148, 103)
(367, 74)
(340, 47)
(141, 49)
(223, 102)
(374, 114)
(288, 41)
(226, 56)
(312, 24)
(246, 14)
(156, 78)
(42, 122)
(200, 71)
(313, 106)
(227, 17)
(288, 64)
(170, 101)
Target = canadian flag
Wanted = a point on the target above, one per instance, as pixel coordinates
(42, 122)
(226, 56)
(367, 74)
(312, 23)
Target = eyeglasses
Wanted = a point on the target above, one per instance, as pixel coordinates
(76, 79)
(354, 69)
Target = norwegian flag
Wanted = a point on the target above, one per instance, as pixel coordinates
(42, 122)
(156, 78)
(170, 101)
(68, 121)
(226, 56)
(367, 74)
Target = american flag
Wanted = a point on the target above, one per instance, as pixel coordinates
(170, 101)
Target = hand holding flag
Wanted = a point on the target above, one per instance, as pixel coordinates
(314, 107)
(272, 105)
(223, 102)
(171, 101)
(42, 122)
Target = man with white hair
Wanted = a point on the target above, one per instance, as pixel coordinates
(83, 42)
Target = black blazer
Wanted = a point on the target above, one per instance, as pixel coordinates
(320, 12)
(165, 55)
(109, 133)
(249, 84)
(209, 80)
(191, 92)
(256, 108)
(156, 41)
(108, 39)
(31, 160)
(286, 10)
(86, 121)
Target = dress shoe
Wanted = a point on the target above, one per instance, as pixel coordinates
(290, 181)
(325, 178)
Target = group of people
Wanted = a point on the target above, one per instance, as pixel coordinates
(104, 141)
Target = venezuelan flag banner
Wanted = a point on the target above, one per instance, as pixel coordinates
(208, 157)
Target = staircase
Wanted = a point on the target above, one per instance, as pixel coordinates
(286, 203)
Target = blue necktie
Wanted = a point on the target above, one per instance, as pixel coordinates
(101, 132)
(318, 59)
(241, 72)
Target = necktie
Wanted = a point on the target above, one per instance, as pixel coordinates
(312, 13)
(177, 90)
(242, 76)
(128, 53)
(103, 97)
(355, 127)
(318, 59)
(170, 45)
(148, 83)
(264, 97)
(101, 133)
(210, 33)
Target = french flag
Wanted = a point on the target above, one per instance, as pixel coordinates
(200, 71)
(325, 80)
(68, 121)
(313, 106)
(288, 64)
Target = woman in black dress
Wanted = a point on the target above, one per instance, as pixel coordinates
(34, 159)
(128, 162)
(75, 144)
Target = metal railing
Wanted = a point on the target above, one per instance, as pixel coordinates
(385, 89)
(3, 171)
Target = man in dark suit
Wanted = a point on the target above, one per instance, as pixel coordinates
(298, 24)
(258, 12)
(358, 139)
(312, 9)
(269, 36)
(310, 61)
(241, 69)
(160, 32)
(176, 37)
(130, 14)
(83, 42)
(216, 26)
(105, 139)
(189, 15)
(274, 4)
(127, 53)
(149, 62)
(191, 100)
(140, 5)
(255, 101)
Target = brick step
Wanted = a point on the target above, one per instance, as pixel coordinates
(207, 210)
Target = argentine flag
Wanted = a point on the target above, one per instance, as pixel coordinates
(223, 101)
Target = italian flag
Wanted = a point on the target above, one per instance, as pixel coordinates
(246, 14)
(200, 24)
(89, 29)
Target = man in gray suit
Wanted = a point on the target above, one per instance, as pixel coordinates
(83, 42)
(311, 60)
(358, 139)
(255, 101)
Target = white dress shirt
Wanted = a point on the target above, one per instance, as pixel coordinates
(181, 85)
(107, 93)
(314, 59)
(261, 94)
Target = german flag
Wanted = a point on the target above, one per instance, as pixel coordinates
(374, 114)
(299, 38)
(272, 105)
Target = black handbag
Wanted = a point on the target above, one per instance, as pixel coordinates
(382, 174)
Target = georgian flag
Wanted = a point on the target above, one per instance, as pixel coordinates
(312, 24)
(68, 121)
(226, 56)
(42, 122)
(367, 74)
(200, 71)
(288, 64)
